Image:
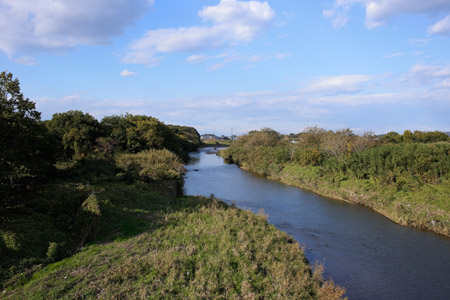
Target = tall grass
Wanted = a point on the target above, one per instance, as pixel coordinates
(409, 182)
(200, 249)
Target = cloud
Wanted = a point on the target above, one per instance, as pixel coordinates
(337, 84)
(431, 71)
(216, 67)
(431, 76)
(394, 55)
(420, 42)
(442, 27)
(222, 59)
(445, 83)
(232, 21)
(337, 15)
(127, 73)
(379, 102)
(30, 27)
(197, 59)
(379, 12)
(25, 60)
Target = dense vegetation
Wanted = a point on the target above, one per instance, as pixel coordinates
(92, 209)
(191, 248)
(403, 176)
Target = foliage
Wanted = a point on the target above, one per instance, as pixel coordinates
(152, 165)
(199, 249)
(26, 151)
(149, 133)
(415, 137)
(114, 131)
(391, 178)
(76, 131)
(263, 137)
(188, 135)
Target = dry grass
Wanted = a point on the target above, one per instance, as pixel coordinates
(201, 249)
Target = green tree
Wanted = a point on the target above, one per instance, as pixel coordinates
(114, 131)
(76, 131)
(149, 133)
(26, 152)
(391, 137)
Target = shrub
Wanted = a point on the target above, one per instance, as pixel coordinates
(53, 251)
(151, 165)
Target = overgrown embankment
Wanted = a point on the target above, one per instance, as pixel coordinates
(121, 238)
(189, 248)
(406, 182)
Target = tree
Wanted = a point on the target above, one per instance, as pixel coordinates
(76, 131)
(264, 137)
(391, 137)
(149, 133)
(312, 136)
(26, 152)
(338, 143)
(114, 130)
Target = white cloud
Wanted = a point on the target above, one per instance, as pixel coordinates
(216, 67)
(232, 21)
(197, 59)
(431, 71)
(381, 103)
(337, 84)
(338, 16)
(25, 60)
(394, 55)
(445, 83)
(127, 73)
(442, 27)
(379, 12)
(222, 59)
(420, 42)
(29, 27)
(259, 58)
(422, 75)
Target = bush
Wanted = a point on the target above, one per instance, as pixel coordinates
(53, 251)
(152, 165)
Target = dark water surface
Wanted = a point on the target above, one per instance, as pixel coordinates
(372, 257)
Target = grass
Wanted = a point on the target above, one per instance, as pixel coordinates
(194, 248)
(408, 183)
(423, 207)
(216, 142)
(143, 245)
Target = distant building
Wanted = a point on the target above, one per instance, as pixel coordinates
(208, 137)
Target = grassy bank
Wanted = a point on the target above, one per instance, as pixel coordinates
(110, 236)
(415, 196)
(215, 143)
(194, 248)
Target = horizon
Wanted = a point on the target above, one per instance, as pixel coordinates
(367, 65)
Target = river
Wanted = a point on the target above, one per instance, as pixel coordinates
(372, 257)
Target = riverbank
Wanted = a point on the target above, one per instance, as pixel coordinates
(135, 242)
(424, 207)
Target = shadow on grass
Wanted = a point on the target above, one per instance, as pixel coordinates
(86, 204)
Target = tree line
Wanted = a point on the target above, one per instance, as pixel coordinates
(30, 147)
(418, 156)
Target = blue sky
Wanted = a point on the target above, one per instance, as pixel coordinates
(377, 65)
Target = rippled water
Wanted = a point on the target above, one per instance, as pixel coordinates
(372, 257)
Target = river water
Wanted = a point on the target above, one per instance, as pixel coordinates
(372, 257)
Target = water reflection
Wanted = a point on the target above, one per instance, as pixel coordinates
(371, 256)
